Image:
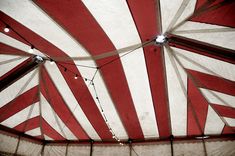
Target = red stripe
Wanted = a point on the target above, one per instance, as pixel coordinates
(6, 49)
(50, 131)
(52, 95)
(197, 110)
(76, 19)
(28, 125)
(21, 102)
(224, 111)
(228, 130)
(77, 87)
(146, 19)
(213, 83)
(223, 15)
(19, 66)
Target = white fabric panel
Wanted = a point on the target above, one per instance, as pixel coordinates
(18, 45)
(177, 98)
(114, 150)
(8, 143)
(219, 148)
(54, 150)
(29, 148)
(188, 148)
(223, 39)
(218, 98)
(151, 149)
(41, 24)
(47, 137)
(34, 132)
(214, 125)
(169, 10)
(116, 20)
(70, 100)
(11, 91)
(206, 64)
(8, 66)
(230, 121)
(81, 150)
(54, 120)
(22, 116)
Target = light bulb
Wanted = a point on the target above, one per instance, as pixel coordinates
(52, 62)
(76, 76)
(160, 39)
(31, 49)
(6, 29)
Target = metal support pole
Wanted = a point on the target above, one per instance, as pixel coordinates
(204, 146)
(172, 148)
(91, 149)
(42, 150)
(17, 146)
(66, 151)
(130, 146)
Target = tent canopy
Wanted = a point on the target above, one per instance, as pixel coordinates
(113, 71)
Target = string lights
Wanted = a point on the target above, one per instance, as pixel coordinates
(76, 75)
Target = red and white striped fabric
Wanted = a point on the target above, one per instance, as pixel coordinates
(153, 92)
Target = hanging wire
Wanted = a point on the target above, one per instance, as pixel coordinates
(118, 58)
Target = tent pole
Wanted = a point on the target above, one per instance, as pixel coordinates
(91, 149)
(42, 150)
(130, 146)
(204, 146)
(66, 151)
(17, 146)
(172, 148)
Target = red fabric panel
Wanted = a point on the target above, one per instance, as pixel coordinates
(6, 49)
(197, 110)
(78, 21)
(224, 111)
(50, 92)
(147, 22)
(223, 15)
(15, 68)
(213, 83)
(50, 131)
(28, 125)
(228, 130)
(21, 102)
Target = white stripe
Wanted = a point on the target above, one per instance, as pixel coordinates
(22, 115)
(51, 117)
(18, 44)
(206, 64)
(4, 68)
(34, 132)
(223, 39)
(70, 100)
(11, 92)
(230, 121)
(47, 137)
(214, 125)
(116, 20)
(41, 24)
(169, 9)
(218, 98)
(177, 98)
